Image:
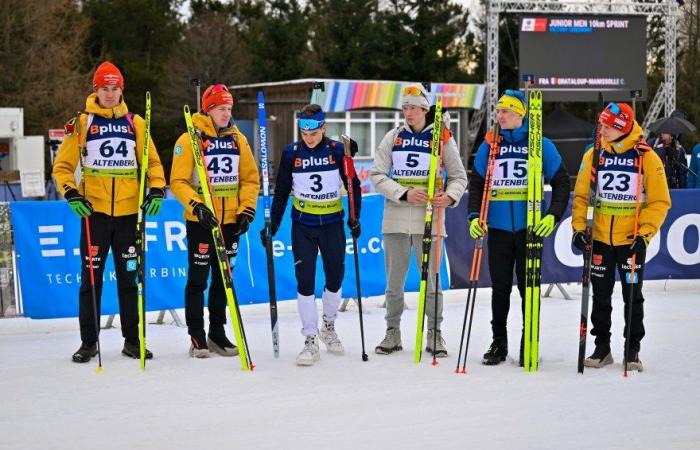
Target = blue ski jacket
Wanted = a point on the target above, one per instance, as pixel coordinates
(327, 155)
(509, 213)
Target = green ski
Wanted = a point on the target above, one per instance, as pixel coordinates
(141, 237)
(220, 248)
(534, 243)
(428, 231)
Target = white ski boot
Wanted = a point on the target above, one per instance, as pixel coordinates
(330, 338)
(310, 354)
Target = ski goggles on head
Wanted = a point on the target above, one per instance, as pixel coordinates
(614, 108)
(412, 90)
(311, 123)
(415, 96)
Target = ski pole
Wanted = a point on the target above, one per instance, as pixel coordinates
(445, 134)
(97, 317)
(350, 175)
(633, 261)
(478, 251)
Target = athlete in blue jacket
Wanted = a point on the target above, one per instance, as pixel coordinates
(507, 215)
(312, 169)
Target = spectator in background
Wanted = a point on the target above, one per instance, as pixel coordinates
(672, 155)
(693, 181)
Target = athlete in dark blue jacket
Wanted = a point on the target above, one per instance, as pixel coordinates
(507, 217)
(312, 169)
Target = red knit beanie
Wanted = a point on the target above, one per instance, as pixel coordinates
(107, 74)
(216, 95)
(619, 116)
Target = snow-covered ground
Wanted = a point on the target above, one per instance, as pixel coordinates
(48, 402)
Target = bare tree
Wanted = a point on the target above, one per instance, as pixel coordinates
(42, 50)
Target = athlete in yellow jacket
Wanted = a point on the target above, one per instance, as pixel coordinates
(234, 183)
(614, 241)
(107, 141)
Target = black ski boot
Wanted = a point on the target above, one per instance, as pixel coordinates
(132, 350)
(219, 343)
(198, 346)
(496, 353)
(85, 353)
(633, 361)
(601, 357)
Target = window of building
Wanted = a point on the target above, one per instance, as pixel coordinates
(368, 128)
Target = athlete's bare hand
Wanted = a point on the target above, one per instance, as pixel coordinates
(417, 196)
(442, 200)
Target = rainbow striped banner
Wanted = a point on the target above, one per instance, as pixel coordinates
(340, 95)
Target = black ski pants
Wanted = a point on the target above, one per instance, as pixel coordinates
(506, 250)
(119, 233)
(606, 259)
(307, 241)
(201, 257)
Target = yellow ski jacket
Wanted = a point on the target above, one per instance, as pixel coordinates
(618, 229)
(184, 179)
(114, 196)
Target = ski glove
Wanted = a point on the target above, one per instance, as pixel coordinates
(638, 244)
(546, 226)
(581, 240)
(354, 226)
(243, 221)
(79, 204)
(475, 229)
(153, 201)
(264, 237)
(205, 216)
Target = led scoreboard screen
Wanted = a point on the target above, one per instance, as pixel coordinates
(573, 57)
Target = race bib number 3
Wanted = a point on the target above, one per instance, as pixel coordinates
(317, 192)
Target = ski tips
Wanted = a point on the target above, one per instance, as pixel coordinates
(148, 96)
(186, 108)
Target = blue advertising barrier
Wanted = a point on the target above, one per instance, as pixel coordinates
(674, 253)
(48, 261)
